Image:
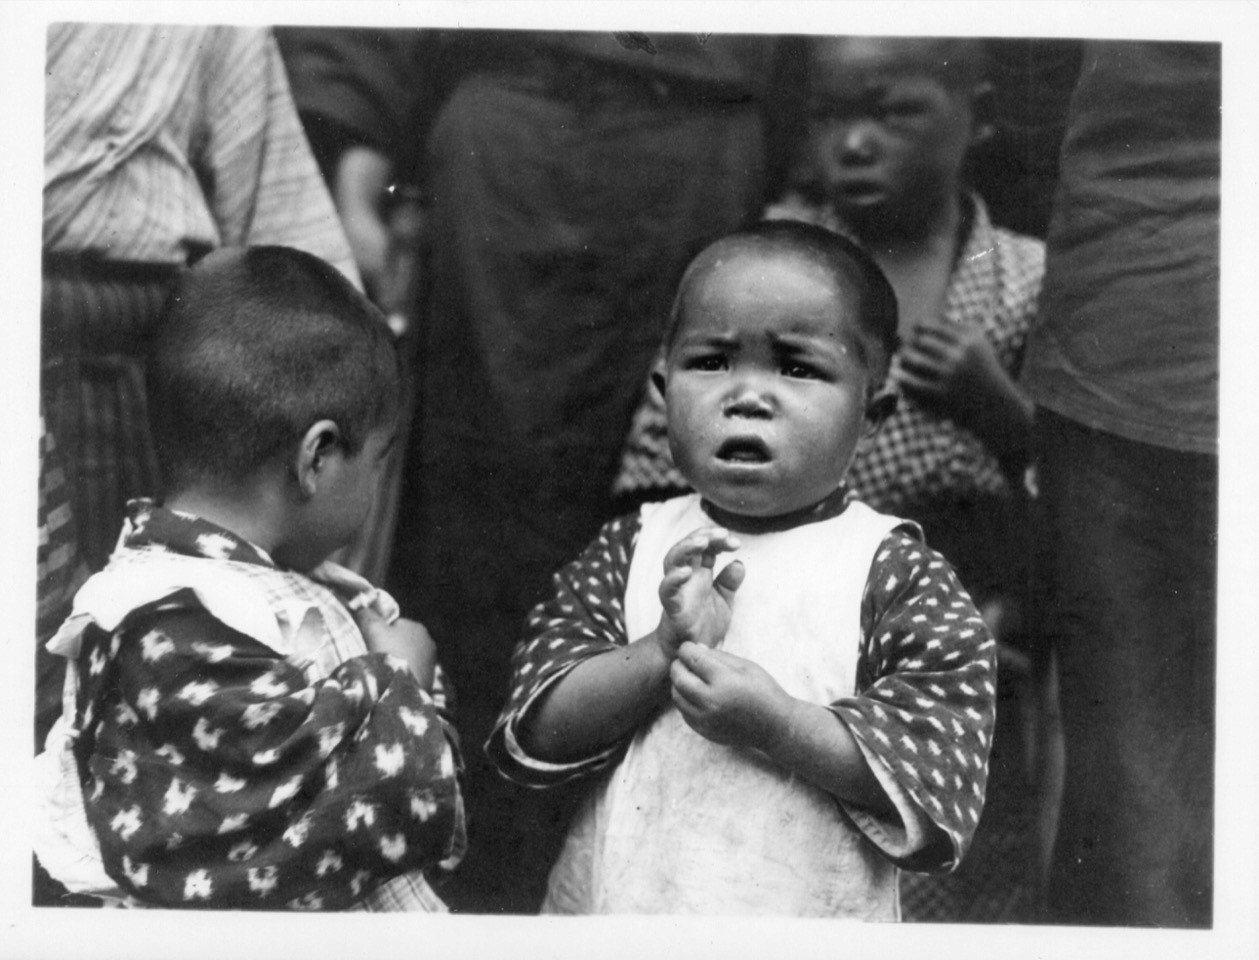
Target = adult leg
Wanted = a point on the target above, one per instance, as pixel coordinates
(1126, 576)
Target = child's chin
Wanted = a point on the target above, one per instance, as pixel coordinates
(750, 507)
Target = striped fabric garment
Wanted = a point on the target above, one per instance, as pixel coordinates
(59, 573)
(95, 322)
(161, 142)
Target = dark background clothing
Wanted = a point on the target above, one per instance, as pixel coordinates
(568, 180)
(1016, 170)
(1126, 578)
(1124, 368)
(1130, 343)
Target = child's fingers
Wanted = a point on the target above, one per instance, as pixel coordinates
(731, 576)
(721, 541)
(699, 661)
(671, 583)
(923, 355)
(686, 550)
(685, 707)
(369, 622)
(686, 686)
(700, 548)
(919, 371)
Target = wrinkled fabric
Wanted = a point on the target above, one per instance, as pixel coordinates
(219, 771)
(1128, 340)
(1125, 590)
(921, 701)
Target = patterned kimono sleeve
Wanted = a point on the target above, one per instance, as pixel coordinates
(215, 774)
(584, 617)
(926, 705)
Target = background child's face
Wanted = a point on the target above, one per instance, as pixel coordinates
(887, 139)
(765, 389)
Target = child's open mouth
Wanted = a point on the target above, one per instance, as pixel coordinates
(744, 450)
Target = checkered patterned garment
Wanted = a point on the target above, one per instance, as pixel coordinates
(917, 457)
(218, 773)
(160, 141)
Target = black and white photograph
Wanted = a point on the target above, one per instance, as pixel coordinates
(435, 491)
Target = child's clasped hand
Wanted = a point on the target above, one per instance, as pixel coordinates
(724, 698)
(728, 699)
(697, 602)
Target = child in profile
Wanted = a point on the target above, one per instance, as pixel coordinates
(245, 725)
(780, 733)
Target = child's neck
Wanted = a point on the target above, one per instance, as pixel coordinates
(832, 505)
(247, 516)
(927, 237)
(919, 264)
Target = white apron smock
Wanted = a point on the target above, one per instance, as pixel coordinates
(684, 825)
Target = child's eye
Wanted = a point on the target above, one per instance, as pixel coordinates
(707, 362)
(800, 371)
(902, 110)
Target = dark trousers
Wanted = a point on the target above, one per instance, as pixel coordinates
(559, 227)
(1125, 591)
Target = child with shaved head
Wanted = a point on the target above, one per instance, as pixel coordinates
(891, 122)
(779, 733)
(245, 725)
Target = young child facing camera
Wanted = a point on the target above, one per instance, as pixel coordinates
(891, 122)
(779, 733)
(244, 725)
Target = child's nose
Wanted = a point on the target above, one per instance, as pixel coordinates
(857, 141)
(748, 399)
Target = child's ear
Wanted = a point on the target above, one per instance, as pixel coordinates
(880, 406)
(311, 458)
(982, 110)
(657, 376)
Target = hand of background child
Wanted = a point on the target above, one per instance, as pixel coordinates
(728, 699)
(951, 368)
(696, 603)
(407, 639)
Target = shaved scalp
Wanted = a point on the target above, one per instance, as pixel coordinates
(959, 63)
(252, 348)
(852, 270)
